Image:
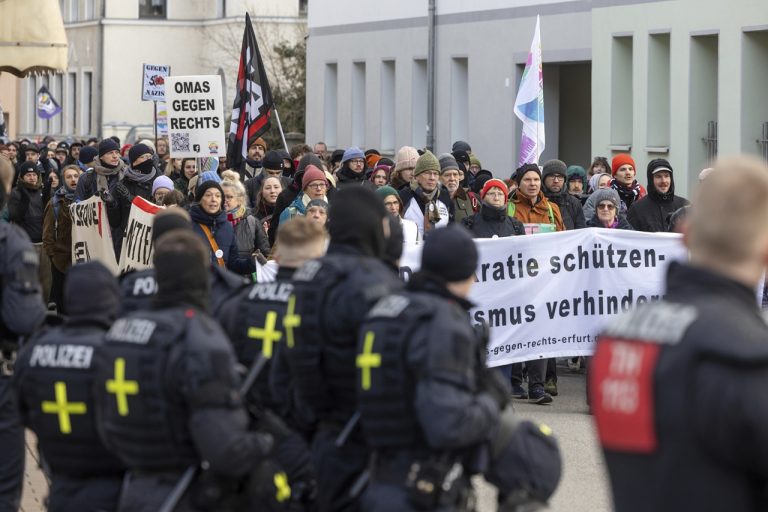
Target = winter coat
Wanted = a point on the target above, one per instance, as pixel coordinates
(347, 178)
(414, 207)
(284, 200)
(253, 186)
(594, 222)
(224, 235)
(590, 207)
(250, 236)
(465, 204)
(630, 194)
(25, 209)
(570, 208)
(120, 211)
(57, 231)
(539, 212)
(650, 214)
(493, 222)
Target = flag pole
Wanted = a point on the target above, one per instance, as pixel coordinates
(282, 135)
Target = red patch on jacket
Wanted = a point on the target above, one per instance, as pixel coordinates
(622, 398)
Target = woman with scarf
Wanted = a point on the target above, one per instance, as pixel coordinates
(624, 170)
(137, 182)
(57, 232)
(266, 200)
(314, 185)
(492, 220)
(607, 213)
(210, 222)
(249, 234)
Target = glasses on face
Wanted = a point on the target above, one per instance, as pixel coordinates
(451, 175)
(495, 193)
(391, 204)
(316, 186)
(357, 161)
(430, 174)
(557, 177)
(606, 206)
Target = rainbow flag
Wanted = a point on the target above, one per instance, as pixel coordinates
(529, 104)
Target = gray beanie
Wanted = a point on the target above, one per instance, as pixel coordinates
(554, 167)
(448, 163)
(606, 194)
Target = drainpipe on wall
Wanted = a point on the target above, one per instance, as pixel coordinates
(100, 96)
(431, 77)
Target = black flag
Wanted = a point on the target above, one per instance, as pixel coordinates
(253, 100)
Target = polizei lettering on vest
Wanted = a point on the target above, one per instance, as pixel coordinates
(271, 291)
(62, 356)
(132, 330)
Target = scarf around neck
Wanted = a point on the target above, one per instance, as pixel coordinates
(138, 176)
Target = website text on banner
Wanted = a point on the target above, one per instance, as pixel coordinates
(549, 295)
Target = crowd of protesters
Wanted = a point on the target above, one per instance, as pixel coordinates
(236, 212)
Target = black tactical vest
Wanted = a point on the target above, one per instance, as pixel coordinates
(259, 325)
(143, 415)
(55, 375)
(137, 289)
(385, 384)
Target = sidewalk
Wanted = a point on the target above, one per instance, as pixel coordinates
(35, 483)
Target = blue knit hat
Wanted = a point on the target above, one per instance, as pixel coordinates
(208, 176)
(353, 152)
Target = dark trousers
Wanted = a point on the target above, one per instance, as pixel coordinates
(551, 369)
(537, 370)
(57, 288)
(12, 449)
(69, 494)
(337, 470)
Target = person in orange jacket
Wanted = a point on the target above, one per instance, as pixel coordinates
(529, 205)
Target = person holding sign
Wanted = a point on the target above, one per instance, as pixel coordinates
(210, 222)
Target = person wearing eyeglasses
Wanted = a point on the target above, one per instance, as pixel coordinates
(352, 170)
(394, 206)
(553, 176)
(492, 221)
(314, 185)
(607, 214)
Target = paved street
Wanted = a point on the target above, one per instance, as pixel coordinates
(584, 487)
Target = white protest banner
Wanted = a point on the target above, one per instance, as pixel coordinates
(549, 295)
(137, 250)
(162, 119)
(153, 82)
(91, 235)
(195, 116)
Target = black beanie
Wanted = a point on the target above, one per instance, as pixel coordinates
(87, 155)
(449, 253)
(106, 146)
(168, 222)
(460, 145)
(273, 161)
(181, 261)
(523, 169)
(136, 151)
(91, 293)
(28, 166)
(354, 219)
(200, 190)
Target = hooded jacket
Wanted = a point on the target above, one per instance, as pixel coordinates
(570, 207)
(651, 212)
(224, 235)
(538, 212)
(57, 230)
(493, 222)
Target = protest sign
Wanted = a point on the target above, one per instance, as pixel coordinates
(153, 82)
(91, 236)
(195, 116)
(137, 250)
(550, 295)
(161, 123)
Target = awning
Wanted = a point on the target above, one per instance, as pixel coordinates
(32, 37)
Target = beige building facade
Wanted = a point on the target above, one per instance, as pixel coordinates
(110, 40)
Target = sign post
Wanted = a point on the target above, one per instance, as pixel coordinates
(195, 116)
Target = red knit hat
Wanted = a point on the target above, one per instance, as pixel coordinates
(493, 182)
(312, 173)
(622, 159)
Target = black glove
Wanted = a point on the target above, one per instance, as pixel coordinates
(121, 192)
(108, 199)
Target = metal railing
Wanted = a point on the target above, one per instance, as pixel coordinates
(763, 141)
(710, 141)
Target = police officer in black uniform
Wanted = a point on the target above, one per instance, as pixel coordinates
(259, 321)
(21, 312)
(54, 384)
(138, 287)
(430, 408)
(677, 387)
(168, 397)
(333, 294)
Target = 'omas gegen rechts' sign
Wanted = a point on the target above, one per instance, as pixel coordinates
(195, 116)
